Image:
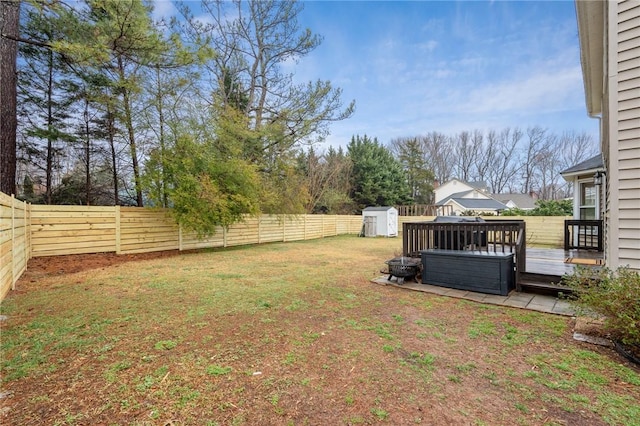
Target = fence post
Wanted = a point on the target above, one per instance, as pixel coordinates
(13, 242)
(259, 236)
(304, 227)
(284, 228)
(29, 232)
(224, 236)
(118, 234)
(179, 237)
(26, 235)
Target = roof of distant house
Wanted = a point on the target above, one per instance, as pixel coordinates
(523, 201)
(476, 203)
(593, 163)
(478, 184)
(480, 204)
(456, 195)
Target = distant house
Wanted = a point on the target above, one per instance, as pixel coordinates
(516, 201)
(464, 196)
(609, 34)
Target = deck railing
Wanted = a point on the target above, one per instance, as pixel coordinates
(498, 236)
(424, 210)
(583, 235)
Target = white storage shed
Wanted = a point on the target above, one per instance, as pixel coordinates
(380, 221)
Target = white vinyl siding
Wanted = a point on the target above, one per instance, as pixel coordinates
(631, 85)
(627, 133)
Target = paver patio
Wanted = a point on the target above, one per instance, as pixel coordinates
(533, 302)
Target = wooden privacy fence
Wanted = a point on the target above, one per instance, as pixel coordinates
(43, 230)
(15, 247)
(60, 230)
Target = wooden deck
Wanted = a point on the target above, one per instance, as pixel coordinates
(546, 267)
(553, 261)
(536, 269)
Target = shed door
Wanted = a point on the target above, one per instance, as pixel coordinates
(370, 226)
(392, 224)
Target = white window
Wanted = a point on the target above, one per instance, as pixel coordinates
(588, 202)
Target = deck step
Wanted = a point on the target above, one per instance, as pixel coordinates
(543, 284)
(535, 276)
(544, 288)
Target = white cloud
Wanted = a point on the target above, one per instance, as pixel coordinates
(549, 90)
(429, 46)
(163, 9)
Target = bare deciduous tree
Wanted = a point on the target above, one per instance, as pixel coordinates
(440, 154)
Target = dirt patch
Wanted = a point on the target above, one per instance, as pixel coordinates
(56, 265)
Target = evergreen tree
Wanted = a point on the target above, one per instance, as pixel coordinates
(411, 153)
(377, 178)
(47, 94)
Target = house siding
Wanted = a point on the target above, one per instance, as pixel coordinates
(624, 161)
(449, 188)
(610, 233)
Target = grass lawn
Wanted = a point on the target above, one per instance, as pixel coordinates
(291, 333)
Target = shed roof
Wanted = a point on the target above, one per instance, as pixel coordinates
(377, 209)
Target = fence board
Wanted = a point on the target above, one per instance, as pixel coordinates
(76, 210)
(74, 226)
(51, 221)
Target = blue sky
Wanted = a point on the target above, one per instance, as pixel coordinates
(419, 66)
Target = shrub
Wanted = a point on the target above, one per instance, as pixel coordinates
(544, 208)
(615, 295)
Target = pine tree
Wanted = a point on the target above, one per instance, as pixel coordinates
(9, 26)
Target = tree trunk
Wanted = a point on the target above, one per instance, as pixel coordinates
(9, 25)
(87, 152)
(114, 163)
(163, 187)
(49, 167)
(132, 139)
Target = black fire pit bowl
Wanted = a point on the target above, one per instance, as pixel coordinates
(403, 267)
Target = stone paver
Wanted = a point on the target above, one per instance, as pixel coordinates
(515, 303)
(533, 302)
(523, 297)
(495, 299)
(460, 294)
(476, 297)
